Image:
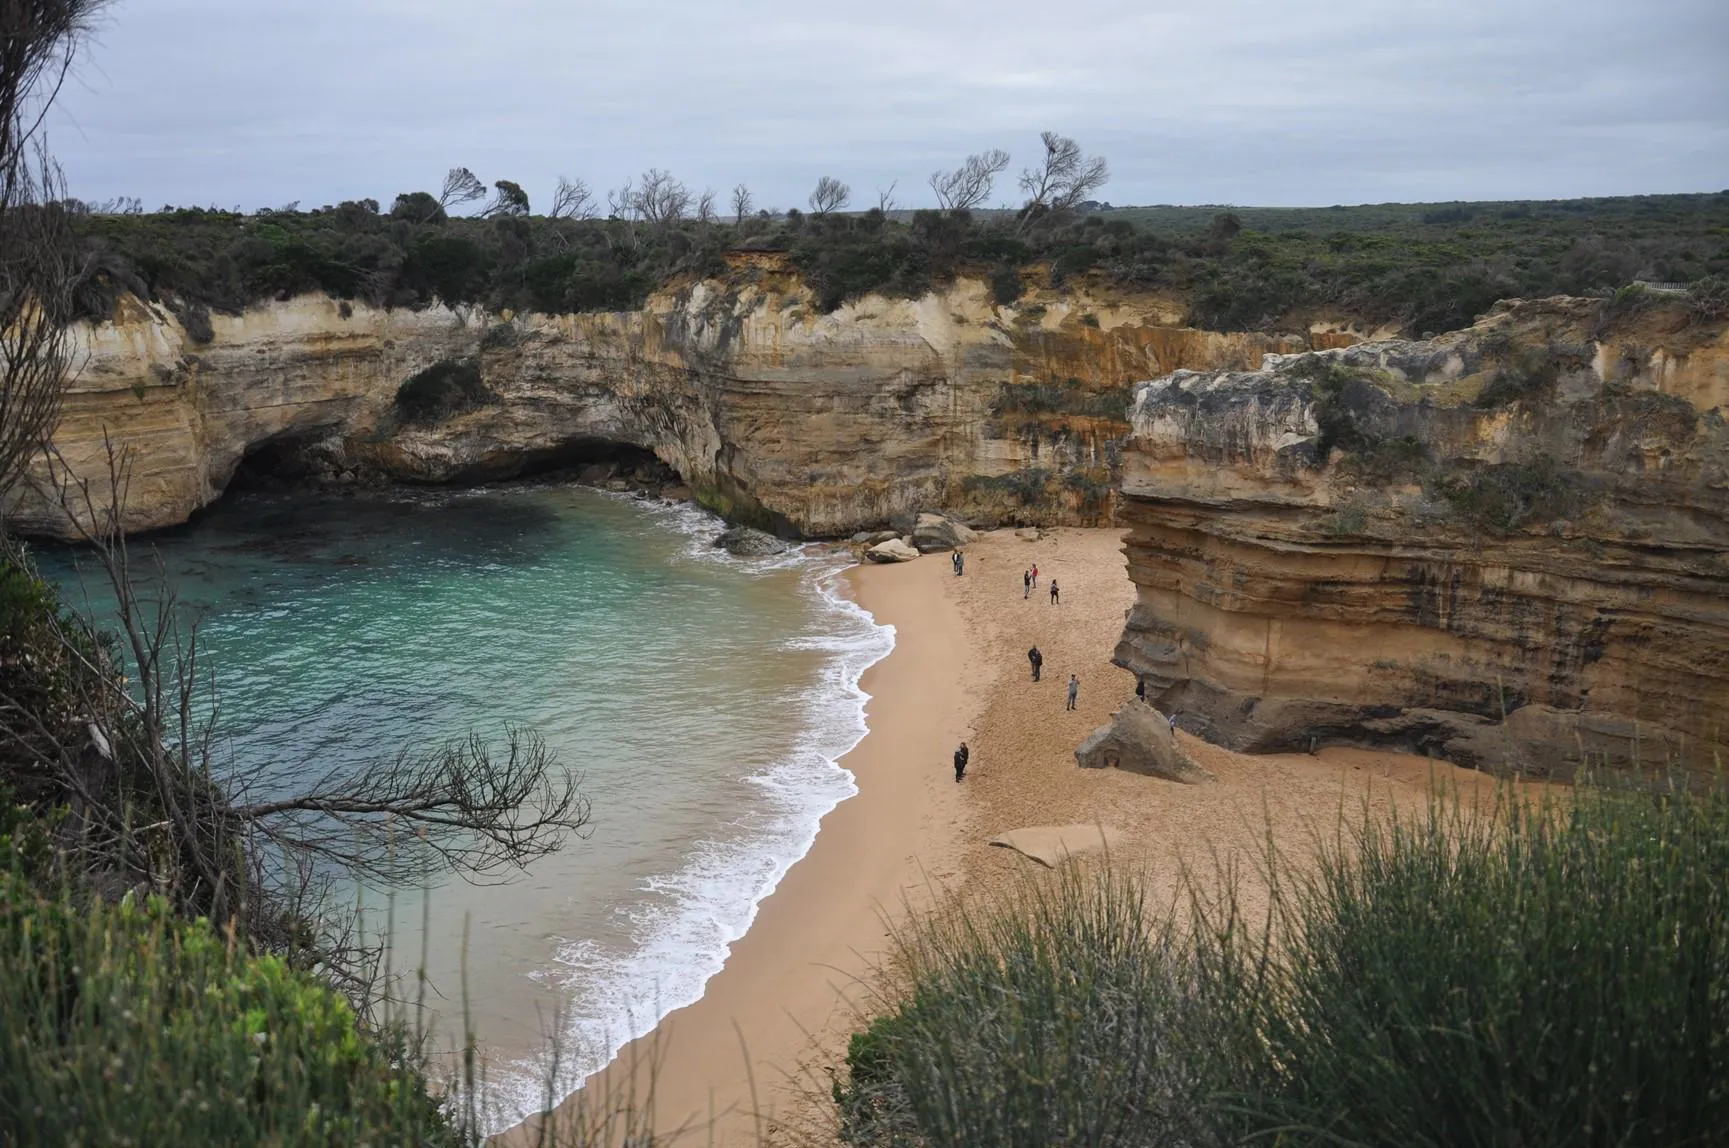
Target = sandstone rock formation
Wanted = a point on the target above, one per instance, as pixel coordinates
(794, 421)
(894, 550)
(932, 533)
(1138, 738)
(745, 542)
(1404, 543)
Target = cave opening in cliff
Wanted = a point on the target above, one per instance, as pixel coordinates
(283, 463)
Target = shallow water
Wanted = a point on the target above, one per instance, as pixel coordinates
(703, 700)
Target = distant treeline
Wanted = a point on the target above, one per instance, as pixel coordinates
(1425, 267)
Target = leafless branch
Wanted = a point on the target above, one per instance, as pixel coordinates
(830, 195)
(741, 203)
(572, 200)
(1063, 181)
(969, 185)
(460, 186)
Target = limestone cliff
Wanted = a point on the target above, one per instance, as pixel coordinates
(1404, 543)
(815, 424)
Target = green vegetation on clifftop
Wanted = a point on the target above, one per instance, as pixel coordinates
(1422, 267)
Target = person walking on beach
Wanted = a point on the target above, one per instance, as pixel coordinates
(1026, 584)
(1173, 723)
(1053, 591)
(1074, 689)
(1037, 659)
(960, 564)
(961, 756)
(1140, 687)
(1035, 575)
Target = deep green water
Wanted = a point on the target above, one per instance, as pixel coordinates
(703, 699)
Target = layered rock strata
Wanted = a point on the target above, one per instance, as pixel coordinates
(805, 423)
(1507, 546)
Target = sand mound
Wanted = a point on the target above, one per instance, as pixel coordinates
(1051, 845)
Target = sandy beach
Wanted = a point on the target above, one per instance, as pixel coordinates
(730, 1066)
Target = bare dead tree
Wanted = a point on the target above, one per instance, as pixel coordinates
(830, 195)
(969, 185)
(572, 200)
(886, 197)
(741, 204)
(460, 186)
(39, 267)
(705, 210)
(1063, 181)
(660, 198)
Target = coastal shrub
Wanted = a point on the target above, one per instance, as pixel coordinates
(122, 1024)
(1536, 971)
(1377, 263)
(448, 387)
(1068, 397)
(1062, 1015)
(1540, 973)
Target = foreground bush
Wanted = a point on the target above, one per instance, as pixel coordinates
(126, 1025)
(1065, 1015)
(1523, 975)
(1533, 977)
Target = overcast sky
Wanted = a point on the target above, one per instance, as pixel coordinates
(1278, 102)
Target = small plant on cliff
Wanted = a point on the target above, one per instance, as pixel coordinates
(446, 388)
(1503, 497)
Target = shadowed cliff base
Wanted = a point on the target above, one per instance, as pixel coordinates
(1508, 546)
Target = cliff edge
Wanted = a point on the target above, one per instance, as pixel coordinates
(1507, 546)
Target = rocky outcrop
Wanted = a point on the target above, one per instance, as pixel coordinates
(744, 542)
(1140, 739)
(894, 550)
(933, 532)
(774, 414)
(1507, 546)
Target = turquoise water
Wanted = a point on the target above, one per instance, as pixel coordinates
(703, 699)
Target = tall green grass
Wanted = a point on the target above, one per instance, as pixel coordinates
(1532, 974)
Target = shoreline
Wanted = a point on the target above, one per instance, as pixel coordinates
(754, 1049)
(727, 1062)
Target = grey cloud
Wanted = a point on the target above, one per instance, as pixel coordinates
(1245, 101)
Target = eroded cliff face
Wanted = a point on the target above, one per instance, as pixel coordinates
(812, 424)
(1508, 546)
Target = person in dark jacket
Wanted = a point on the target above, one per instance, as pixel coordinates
(1141, 687)
(1054, 592)
(1026, 584)
(1037, 659)
(961, 756)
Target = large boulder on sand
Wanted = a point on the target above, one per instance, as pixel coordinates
(1139, 739)
(748, 543)
(882, 536)
(933, 532)
(894, 550)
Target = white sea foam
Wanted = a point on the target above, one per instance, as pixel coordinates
(687, 921)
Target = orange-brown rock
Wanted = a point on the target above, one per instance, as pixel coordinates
(811, 423)
(1507, 546)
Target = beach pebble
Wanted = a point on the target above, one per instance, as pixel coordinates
(894, 550)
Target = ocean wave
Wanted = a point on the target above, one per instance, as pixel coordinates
(686, 922)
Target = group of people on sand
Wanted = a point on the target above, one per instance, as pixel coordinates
(1030, 582)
